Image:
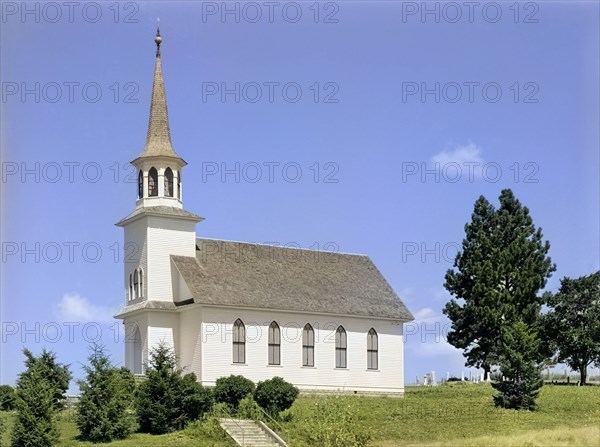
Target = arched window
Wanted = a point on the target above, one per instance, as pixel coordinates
(136, 284)
(239, 342)
(308, 346)
(179, 185)
(274, 344)
(130, 296)
(141, 290)
(168, 182)
(340, 347)
(137, 351)
(372, 350)
(153, 182)
(140, 184)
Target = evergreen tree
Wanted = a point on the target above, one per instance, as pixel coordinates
(36, 402)
(57, 374)
(572, 326)
(520, 346)
(106, 395)
(166, 400)
(498, 273)
(476, 322)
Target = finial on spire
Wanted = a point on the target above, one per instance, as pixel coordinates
(158, 39)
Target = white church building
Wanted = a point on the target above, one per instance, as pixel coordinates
(326, 322)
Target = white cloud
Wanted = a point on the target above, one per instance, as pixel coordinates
(74, 307)
(463, 156)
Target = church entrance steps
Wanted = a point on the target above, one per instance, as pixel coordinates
(249, 433)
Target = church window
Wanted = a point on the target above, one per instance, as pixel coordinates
(136, 283)
(239, 342)
(179, 185)
(140, 185)
(168, 182)
(340, 347)
(130, 286)
(141, 290)
(274, 344)
(308, 346)
(372, 350)
(153, 182)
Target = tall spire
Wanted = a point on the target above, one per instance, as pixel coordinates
(158, 138)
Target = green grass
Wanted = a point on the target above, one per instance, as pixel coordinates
(452, 415)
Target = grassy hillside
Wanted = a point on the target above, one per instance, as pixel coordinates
(451, 415)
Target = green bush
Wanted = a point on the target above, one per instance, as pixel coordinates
(106, 394)
(231, 390)
(166, 400)
(37, 399)
(7, 398)
(249, 409)
(275, 395)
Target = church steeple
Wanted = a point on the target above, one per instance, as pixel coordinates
(159, 177)
(158, 137)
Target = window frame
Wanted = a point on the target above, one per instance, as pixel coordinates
(239, 342)
(274, 344)
(372, 349)
(308, 345)
(152, 182)
(341, 348)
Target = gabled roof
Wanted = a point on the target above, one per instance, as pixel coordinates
(262, 276)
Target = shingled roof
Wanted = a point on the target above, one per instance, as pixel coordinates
(160, 211)
(158, 137)
(242, 274)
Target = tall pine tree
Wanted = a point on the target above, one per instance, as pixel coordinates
(496, 278)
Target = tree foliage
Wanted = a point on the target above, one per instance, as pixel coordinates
(520, 346)
(7, 398)
(275, 395)
(39, 394)
(106, 395)
(57, 374)
(572, 325)
(232, 389)
(166, 400)
(496, 279)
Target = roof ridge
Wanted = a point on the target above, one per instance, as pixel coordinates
(282, 247)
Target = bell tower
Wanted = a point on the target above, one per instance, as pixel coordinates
(158, 228)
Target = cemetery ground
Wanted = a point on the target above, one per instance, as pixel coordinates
(455, 414)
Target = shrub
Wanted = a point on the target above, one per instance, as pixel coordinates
(453, 379)
(275, 395)
(36, 403)
(7, 398)
(106, 395)
(249, 409)
(231, 390)
(166, 400)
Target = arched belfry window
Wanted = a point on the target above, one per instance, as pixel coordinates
(140, 185)
(239, 342)
(168, 182)
(141, 290)
(308, 346)
(130, 296)
(136, 284)
(372, 350)
(340, 347)
(274, 344)
(179, 185)
(153, 182)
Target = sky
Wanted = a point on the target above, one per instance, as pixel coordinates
(359, 127)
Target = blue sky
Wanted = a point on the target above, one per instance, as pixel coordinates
(404, 119)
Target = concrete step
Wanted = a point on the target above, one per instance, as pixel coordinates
(248, 433)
